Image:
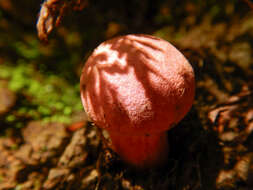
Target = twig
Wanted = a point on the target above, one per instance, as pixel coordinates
(52, 13)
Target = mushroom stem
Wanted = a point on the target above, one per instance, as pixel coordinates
(141, 151)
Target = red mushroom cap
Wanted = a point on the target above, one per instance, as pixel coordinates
(137, 84)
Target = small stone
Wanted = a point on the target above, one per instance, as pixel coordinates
(75, 153)
(45, 141)
(55, 177)
(7, 99)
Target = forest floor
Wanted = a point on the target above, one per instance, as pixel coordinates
(211, 148)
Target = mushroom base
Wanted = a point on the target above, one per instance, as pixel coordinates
(141, 151)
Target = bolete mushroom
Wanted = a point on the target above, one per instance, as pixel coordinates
(137, 87)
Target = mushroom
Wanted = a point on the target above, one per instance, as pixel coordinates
(137, 87)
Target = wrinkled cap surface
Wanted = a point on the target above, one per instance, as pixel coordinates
(137, 84)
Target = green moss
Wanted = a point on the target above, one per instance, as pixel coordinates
(11, 118)
(27, 50)
(45, 97)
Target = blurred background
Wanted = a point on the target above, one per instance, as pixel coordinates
(41, 82)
